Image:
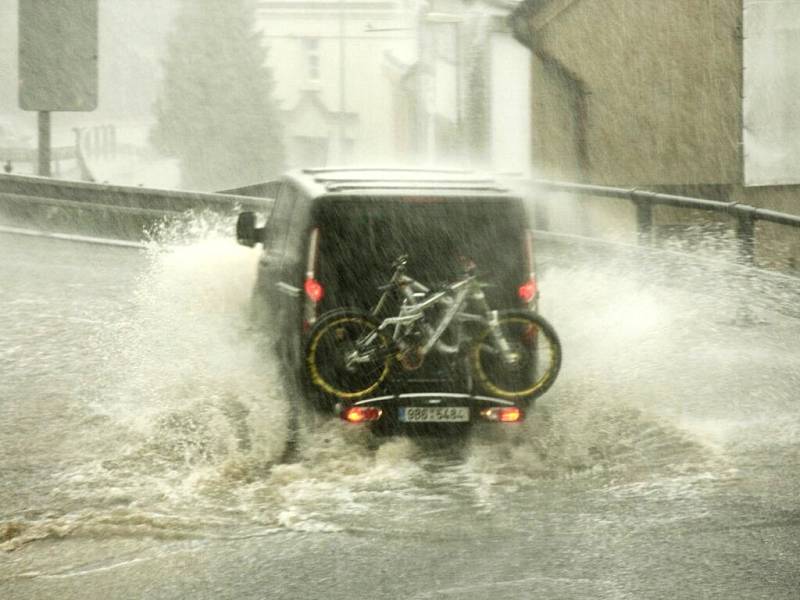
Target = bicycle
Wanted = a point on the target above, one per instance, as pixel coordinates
(513, 354)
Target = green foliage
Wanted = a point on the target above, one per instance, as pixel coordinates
(216, 113)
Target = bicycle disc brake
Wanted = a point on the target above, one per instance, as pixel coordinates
(411, 358)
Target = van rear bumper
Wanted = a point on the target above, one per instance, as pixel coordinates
(391, 405)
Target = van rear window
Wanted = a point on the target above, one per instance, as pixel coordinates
(360, 238)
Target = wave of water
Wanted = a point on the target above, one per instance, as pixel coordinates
(188, 415)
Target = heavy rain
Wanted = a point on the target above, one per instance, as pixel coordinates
(626, 170)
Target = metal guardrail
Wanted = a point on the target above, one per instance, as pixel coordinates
(117, 211)
(644, 201)
(129, 210)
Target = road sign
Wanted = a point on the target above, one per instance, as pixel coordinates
(58, 55)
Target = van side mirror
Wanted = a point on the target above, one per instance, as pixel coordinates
(247, 234)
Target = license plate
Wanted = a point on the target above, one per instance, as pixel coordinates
(434, 414)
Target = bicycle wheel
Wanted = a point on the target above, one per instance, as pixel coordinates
(531, 364)
(346, 355)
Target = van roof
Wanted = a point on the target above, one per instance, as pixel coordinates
(349, 181)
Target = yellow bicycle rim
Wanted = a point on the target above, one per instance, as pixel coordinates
(494, 389)
(317, 378)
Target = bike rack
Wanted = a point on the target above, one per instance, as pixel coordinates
(433, 397)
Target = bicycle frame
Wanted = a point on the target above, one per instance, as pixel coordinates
(350, 353)
(418, 298)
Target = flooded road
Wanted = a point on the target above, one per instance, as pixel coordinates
(144, 427)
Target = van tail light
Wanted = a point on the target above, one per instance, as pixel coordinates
(528, 291)
(503, 414)
(314, 290)
(361, 414)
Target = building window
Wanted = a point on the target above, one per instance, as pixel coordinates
(311, 47)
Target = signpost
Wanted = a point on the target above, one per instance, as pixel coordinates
(57, 62)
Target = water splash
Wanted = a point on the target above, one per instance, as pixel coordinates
(187, 417)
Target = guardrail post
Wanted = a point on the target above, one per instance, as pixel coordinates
(44, 143)
(644, 215)
(745, 232)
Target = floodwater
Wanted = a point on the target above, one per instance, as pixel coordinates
(144, 426)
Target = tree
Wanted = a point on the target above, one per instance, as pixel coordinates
(216, 111)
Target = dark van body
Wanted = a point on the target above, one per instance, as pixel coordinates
(333, 234)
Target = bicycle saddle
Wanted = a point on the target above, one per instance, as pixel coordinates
(400, 261)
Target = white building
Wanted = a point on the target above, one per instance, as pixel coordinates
(327, 60)
(472, 86)
(438, 82)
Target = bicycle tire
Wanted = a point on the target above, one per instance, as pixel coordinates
(331, 338)
(528, 334)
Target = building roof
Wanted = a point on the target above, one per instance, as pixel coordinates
(531, 15)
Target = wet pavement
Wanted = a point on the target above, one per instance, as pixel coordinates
(145, 427)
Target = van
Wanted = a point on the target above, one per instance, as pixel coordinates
(333, 234)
